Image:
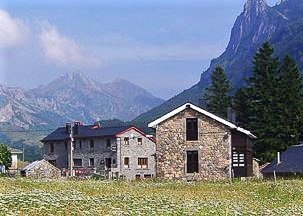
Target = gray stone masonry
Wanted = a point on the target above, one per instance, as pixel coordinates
(213, 146)
(116, 153)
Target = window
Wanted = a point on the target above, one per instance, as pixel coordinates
(148, 176)
(238, 159)
(114, 161)
(52, 162)
(126, 140)
(126, 162)
(139, 141)
(91, 144)
(80, 144)
(191, 129)
(65, 143)
(142, 163)
(108, 144)
(52, 147)
(91, 162)
(192, 162)
(78, 162)
(74, 144)
(138, 177)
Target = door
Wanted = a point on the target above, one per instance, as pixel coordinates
(239, 164)
(108, 163)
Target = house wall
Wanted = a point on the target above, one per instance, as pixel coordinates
(134, 151)
(60, 153)
(100, 152)
(43, 170)
(14, 164)
(213, 146)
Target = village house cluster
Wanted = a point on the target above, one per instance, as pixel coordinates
(189, 144)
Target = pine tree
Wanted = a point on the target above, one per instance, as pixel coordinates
(241, 106)
(217, 96)
(291, 103)
(263, 117)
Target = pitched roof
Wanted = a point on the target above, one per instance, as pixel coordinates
(32, 165)
(84, 131)
(89, 131)
(202, 111)
(291, 161)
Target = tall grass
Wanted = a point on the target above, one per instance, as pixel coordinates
(40, 197)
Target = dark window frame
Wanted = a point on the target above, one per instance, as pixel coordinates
(140, 141)
(108, 143)
(52, 147)
(192, 129)
(192, 161)
(91, 144)
(77, 162)
(126, 163)
(92, 162)
(143, 163)
(126, 140)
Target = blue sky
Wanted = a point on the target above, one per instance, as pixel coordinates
(163, 46)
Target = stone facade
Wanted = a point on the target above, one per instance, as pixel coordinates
(133, 151)
(106, 150)
(213, 146)
(41, 169)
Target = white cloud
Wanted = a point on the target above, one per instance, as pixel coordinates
(63, 50)
(13, 31)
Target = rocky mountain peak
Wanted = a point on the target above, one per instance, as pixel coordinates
(253, 8)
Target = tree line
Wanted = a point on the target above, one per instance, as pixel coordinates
(270, 105)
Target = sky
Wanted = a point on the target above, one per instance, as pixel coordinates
(160, 45)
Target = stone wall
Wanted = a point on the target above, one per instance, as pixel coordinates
(100, 152)
(43, 170)
(213, 146)
(134, 151)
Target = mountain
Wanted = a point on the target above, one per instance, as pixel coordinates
(281, 25)
(70, 97)
(73, 97)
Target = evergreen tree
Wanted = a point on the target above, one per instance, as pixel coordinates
(291, 103)
(241, 106)
(5, 156)
(263, 118)
(217, 96)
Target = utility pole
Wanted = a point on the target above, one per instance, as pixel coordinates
(71, 150)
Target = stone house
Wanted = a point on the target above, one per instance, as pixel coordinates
(193, 144)
(113, 151)
(41, 169)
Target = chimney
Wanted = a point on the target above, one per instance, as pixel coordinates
(76, 127)
(68, 128)
(231, 115)
(278, 158)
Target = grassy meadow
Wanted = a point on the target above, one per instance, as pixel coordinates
(38, 197)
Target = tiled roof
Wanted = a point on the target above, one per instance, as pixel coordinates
(291, 161)
(85, 131)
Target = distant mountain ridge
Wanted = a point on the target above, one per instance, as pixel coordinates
(281, 25)
(73, 96)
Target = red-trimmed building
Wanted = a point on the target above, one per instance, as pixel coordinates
(124, 151)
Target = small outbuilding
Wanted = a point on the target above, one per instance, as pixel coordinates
(289, 163)
(15, 153)
(41, 169)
